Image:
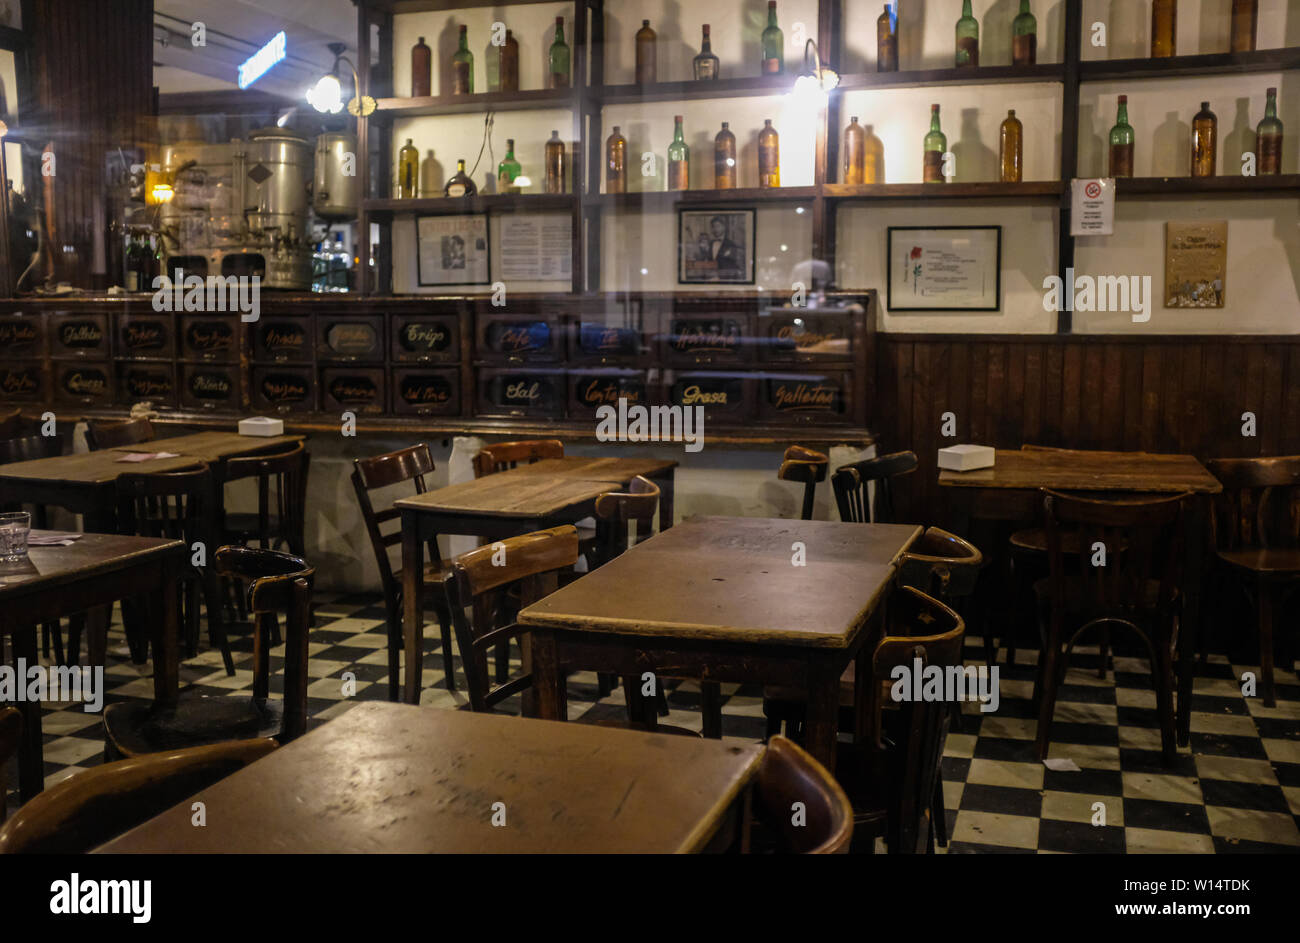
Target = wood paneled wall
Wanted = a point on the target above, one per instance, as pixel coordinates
(1168, 393)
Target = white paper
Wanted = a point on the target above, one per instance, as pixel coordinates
(536, 247)
(1062, 766)
(1092, 207)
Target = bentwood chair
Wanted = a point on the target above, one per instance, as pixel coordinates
(280, 519)
(1257, 529)
(95, 806)
(851, 493)
(786, 776)
(11, 731)
(277, 583)
(807, 466)
(109, 435)
(501, 456)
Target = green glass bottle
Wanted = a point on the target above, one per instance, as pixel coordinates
(679, 159)
(462, 67)
(1268, 138)
(968, 37)
(559, 59)
(1024, 37)
(508, 170)
(936, 145)
(773, 43)
(1121, 142)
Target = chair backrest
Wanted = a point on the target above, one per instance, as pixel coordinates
(109, 435)
(503, 455)
(1260, 503)
(30, 447)
(850, 484)
(281, 493)
(940, 564)
(277, 583)
(808, 466)
(176, 504)
(11, 731)
(14, 425)
(382, 471)
(788, 774)
(531, 561)
(86, 810)
(617, 509)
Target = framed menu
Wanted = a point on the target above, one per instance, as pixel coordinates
(957, 268)
(1196, 264)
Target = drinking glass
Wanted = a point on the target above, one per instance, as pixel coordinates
(14, 527)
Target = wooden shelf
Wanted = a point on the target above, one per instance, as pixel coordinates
(659, 198)
(529, 100)
(1036, 189)
(744, 87)
(1219, 63)
(983, 75)
(1271, 185)
(439, 6)
(471, 204)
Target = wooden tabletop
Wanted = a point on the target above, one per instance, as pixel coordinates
(105, 465)
(514, 493)
(731, 579)
(395, 778)
(601, 469)
(1088, 471)
(49, 568)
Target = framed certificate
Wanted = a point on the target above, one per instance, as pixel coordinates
(453, 250)
(958, 268)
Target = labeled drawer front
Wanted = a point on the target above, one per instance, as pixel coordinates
(425, 339)
(146, 382)
(350, 339)
(22, 335)
(286, 389)
(791, 335)
(24, 381)
(145, 336)
(81, 336)
(83, 384)
(282, 339)
(591, 389)
(726, 397)
(805, 397)
(708, 339)
(519, 339)
(596, 342)
(357, 390)
(424, 391)
(208, 338)
(210, 386)
(521, 392)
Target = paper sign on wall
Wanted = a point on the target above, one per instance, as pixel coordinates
(1092, 207)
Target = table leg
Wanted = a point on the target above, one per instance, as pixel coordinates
(547, 680)
(666, 499)
(31, 749)
(822, 713)
(164, 628)
(1189, 635)
(412, 605)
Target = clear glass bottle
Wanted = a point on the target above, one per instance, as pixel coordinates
(968, 38)
(1205, 133)
(936, 145)
(421, 70)
(558, 69)
(724, 159)
(645, 54)
(1164, 28)
(887, 41)
(1011, 148)
(706, 63)
(1024, 36)
(460, 184)
(408, 172)
(508, 170)
(1245, 19)
(616, 162)
(769, 156)
(556, 164)
(773, 43)
(1121, 142)
(1268, 139)
(855, 153)
(508, 64)
(462, 67)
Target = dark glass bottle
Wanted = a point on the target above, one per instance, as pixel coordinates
(1011, 148)
(508, 170)
(421, 70)
(1024, 36)
(1268, 139)
(408, 171)
(462, 67)
(1121, 142)
(773, 43)
(1205, 133)
(1245, 19)
(556, 162)
(769, 156)
(887, 41)
(645, 54)
(508, 63)
(616, 163)
(679, 159)
(1164, 29)
(936, 145)
(558, 68)
(706, 63)
(855, 153)
(968, 38)
(724, 159)
(460, 184)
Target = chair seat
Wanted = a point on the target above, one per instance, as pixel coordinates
(135, 728)
(1074, 594)
(1280, 561)
(1034, 540)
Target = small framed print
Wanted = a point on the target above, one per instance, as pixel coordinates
(956, 268)
(715, 246)
(453, 250)
(1196, 263)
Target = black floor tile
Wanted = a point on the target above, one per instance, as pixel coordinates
(1260, 796)
(1080, 837)
(1005, 800)
(1092, 782)
(1169, 816)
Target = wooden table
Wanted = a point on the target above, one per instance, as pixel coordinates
(506, 504)
(54, 582)
(719, 599)
(392, 778)
(1026, 471)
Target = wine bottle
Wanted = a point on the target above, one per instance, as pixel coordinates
(421, 70)
(936, 145)
(1245, 19)
(1024, 36)
(1121, 142)
(558, 71)
(724, 159)
(430, 175)
(408, 171)
(645, 54)
(1011, 148)
(769, 156)
(1164, 28)
(1205, 132)
(616, 163)
(508, 63)
(773, 44)
(887, 41)
(1268, 139)
(556, 162)
(508, 170)
(460, 184)
(679, 159)
(968, 37)
(706, 63)
(855, 153)
(462, 67)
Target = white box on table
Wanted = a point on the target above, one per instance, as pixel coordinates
(966, 457)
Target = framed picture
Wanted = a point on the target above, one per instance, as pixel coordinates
(1196, 263)
(453, 250)
(715, 246)
(957, 268)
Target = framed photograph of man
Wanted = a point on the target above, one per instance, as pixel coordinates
(453, 250)
(715, 246)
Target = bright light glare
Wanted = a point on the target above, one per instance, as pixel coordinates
(326, 95)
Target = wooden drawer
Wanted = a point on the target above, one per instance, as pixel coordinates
(280, 390)
(360, 390)
(591, 389)
(209, 338)
(83, 384)
(693, 339)
(146, 382)
(726, 397)
(210, 387)
(610, 340)
(80, 336)
(280, 339)
(22, 334)
(350, 339)
(420, 338)
(519, 338)
(797, 335)
(425, 391)
(813, 397)
(145, 336)
(521, 392)
(24, 381)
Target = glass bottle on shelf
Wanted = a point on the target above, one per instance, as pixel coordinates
(968, 38)
(1205, 132)
(421, 70)
(1121, 142)
(430, 174)
(555, 164)
(679, 159)
(769, 156)
(616, 163)
(156, 260)
(1164, 28)
(408, 171)
(873, 163)
(1268, 139)
(462, 67)
(773, 43)
(1245, 18)
(706, 63)
(724, 159)
(508, 170)
(1024, 36)
(1011, 148)
(508, 64)
(132, 259)
(558, 70)
(645, 54)
(855, 153)
(936, 145)
(887, 41)
(460, 184)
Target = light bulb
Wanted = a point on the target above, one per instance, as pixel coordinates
(326, 95)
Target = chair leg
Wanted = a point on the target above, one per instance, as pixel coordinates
(448, 662)
(1265, 607)
(1163, 676)
(711, 708)
(606, 682)
(54, 631)
(76, 623)
(217, 637)
(773, 727)
(632, 699)
(1104, 644)
(394, 653)
(1049, 679)
(938, 816)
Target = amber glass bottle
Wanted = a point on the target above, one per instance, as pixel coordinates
(769, 156)
(886, 42)
(555, 164)
(645, 54)
(1205, 133)
(616, 163)
(508, 63)
(855, 153)
(421, 70)
(1164, 28)
(724, 159)
(1011, 148)
(460, 184)
(873, 164)
(408, 171)
(1245, 17)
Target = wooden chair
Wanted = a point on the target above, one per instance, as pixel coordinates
(807, 466)
(11, 731)
(504, 455)
(1257, 535)
(850, 485)
(277, 583)
(788, 775)
(109, 435)
(368, 474)
(1137, 589)
(85, 811)
(280, 519)
(14, 425)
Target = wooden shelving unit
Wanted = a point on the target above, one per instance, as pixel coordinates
(667, 198)
(528, 100)
(481, 203)
(1221, 63)
(992, 190)
(1209, 186)
(984, 75)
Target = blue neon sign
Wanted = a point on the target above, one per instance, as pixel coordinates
(261, 61)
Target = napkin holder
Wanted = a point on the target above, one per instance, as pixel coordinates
(963, 458)
(261, 426)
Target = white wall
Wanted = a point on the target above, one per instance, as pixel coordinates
(1203, 27)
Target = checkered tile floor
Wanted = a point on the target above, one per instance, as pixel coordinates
(1237, 789)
